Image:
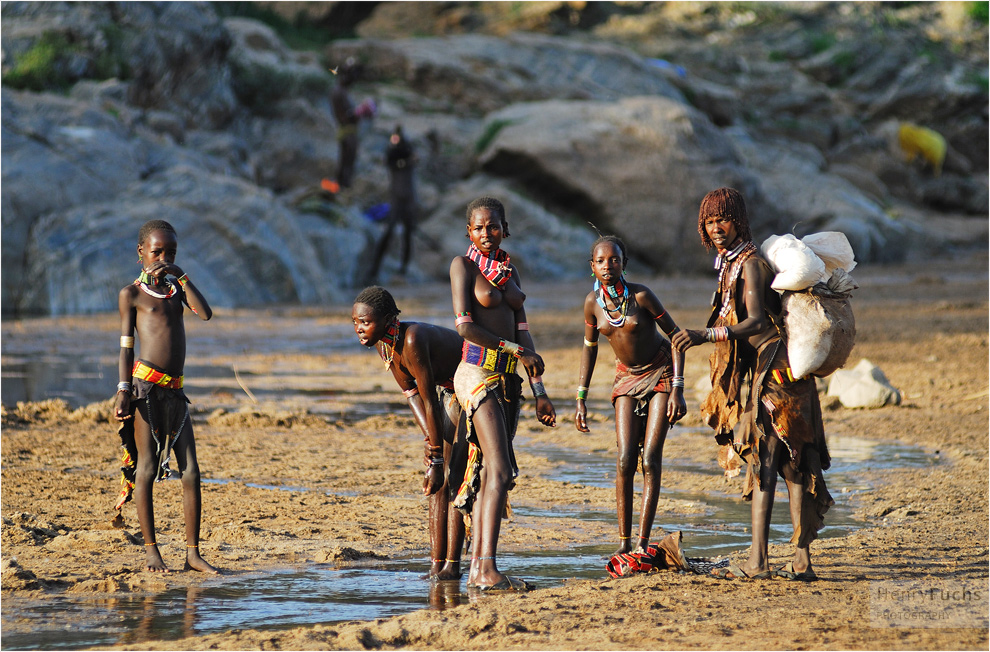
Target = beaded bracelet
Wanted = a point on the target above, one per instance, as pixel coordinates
(717, 334)
(582, 392)
(183, 280)
(511, 347)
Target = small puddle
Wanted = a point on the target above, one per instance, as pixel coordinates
(319, 594)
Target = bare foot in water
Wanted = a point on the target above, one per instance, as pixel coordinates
(451, 571)
(197, 563)
(154, 562)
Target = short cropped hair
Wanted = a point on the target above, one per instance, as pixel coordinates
(492, 204)
(611, 239)
(379, 300)
(728, 202)
(151, 226)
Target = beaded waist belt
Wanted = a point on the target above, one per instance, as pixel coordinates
(144, 372)
(504, 362)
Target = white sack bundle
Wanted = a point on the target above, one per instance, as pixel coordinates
(821, 330)
(796, 265)
(833, 248)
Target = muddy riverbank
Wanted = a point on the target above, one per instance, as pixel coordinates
(321, 471)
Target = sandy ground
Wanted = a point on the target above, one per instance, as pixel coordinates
(924, 325)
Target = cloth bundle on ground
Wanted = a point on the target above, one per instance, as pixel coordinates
(665, 555)
(812, 277)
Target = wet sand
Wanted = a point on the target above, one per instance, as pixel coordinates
(319, 424)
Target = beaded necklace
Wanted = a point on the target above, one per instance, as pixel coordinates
(729, 265)
(145, 281)
(495, 266)
(621, 307)
(387, 350)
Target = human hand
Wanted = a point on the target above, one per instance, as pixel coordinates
(545, 412)
(676, 407)
(122, 407)
(433, 480)
(161, 268)
(532, 362)
(685, 339)
(581, 417)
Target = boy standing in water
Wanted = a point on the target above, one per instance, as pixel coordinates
(422, 359)
(150, 404)
(778, 427)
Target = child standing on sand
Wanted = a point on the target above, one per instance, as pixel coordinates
(150, 404)
(648, 389)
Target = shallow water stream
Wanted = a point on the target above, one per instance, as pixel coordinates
(320, 593)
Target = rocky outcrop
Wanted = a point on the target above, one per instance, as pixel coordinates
(637, 167)
(484, 73)
(135, 110)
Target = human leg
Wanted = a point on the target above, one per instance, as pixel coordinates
(802, 518)
(381, 246)
(770, 451)
(408, 226)
(144, 482)
(192, 505)
(653, 441)
(454, 530)
(628, 432)
(490, 429)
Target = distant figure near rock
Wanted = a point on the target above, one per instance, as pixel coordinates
(348, 116)
(400, 159)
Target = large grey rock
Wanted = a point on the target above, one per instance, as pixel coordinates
(484, 73)
(637, 167)
(264, 70)
(863, 386)
(174, 52)
(242, 246)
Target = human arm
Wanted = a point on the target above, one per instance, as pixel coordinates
(415, 377)
(589, 355)
(125, 362)
(676, 407)
(545, 411)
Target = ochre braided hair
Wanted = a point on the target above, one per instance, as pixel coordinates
(727, 202)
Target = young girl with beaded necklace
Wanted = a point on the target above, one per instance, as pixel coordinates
(648, 388)
(489, 315)
(150, 405)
